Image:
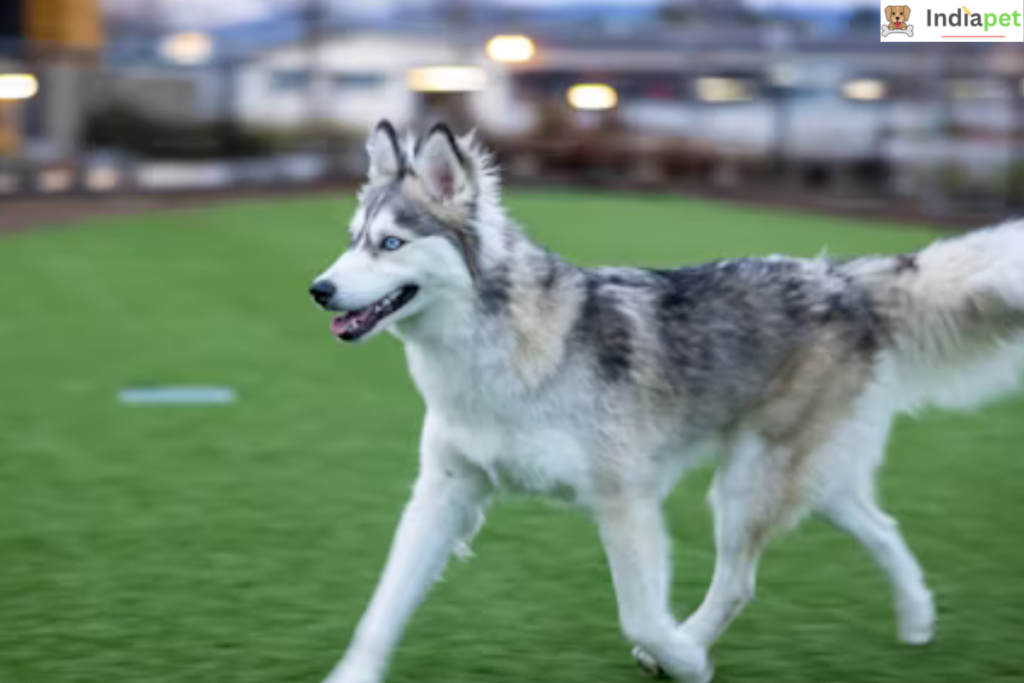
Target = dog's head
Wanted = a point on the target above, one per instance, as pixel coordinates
(900, 13)
(413, 239)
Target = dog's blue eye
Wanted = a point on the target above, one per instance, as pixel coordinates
(391, 243)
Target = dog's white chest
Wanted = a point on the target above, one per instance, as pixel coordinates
(524, 446)
(546, 461)
(520, 459)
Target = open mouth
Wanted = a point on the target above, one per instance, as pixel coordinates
(352, 325)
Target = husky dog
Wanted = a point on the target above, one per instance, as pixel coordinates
(602, 386)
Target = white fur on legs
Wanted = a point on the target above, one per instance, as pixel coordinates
(739, 540)
(860, 516)
(747, 497)
(446, 507)
(633, 533)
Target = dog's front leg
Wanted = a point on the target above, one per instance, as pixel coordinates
(446, 507)
(633, 532)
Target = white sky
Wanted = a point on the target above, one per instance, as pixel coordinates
(215, 12)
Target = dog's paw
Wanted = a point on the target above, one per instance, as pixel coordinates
(651, 666)
(350, 672)
(346, 677)
(648, 663)
(916, 620)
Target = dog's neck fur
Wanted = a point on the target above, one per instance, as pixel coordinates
(523, 295)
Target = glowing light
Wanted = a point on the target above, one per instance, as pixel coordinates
(592, 96)
(510, 49)
(723, 90)
(447, 79)
(187, 49)
(864, 89)
(102, 179)
(55, 180)
(18, 86)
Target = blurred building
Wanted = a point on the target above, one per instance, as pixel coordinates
(747, 90)
(698, 89)
(354, 79)
(56, 42)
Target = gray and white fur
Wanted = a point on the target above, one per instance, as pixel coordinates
(602, 386)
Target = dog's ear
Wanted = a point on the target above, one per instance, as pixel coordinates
(385, 153)
(442, 166)
(888, 12)
(906, 13)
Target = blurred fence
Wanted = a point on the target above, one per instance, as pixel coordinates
(119, 176)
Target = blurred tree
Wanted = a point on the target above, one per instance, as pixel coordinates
(120, 126)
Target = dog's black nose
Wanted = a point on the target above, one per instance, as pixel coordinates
(322, 291)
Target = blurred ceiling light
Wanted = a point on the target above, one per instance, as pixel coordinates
(723, 90)
(592, 96)
(864, 89)
(510, 49)
(187, 49)
(447, 79)
(18, 86)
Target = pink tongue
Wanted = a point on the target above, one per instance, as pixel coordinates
(350, 321)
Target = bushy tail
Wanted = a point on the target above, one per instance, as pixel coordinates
(955, 314)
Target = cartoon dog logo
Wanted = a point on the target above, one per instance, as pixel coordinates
(897, 15)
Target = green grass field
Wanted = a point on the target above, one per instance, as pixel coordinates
(239, 544)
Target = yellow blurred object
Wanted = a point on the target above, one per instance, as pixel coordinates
(187, 49)
(592, 96)
(447, 79)
(69, 24)
(864, 89)
(723, 90)
(54, 180)
(10, 141)
(510, 49)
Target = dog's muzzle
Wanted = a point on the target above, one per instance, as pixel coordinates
(322, 292)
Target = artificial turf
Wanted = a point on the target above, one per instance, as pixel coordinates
(239, 544)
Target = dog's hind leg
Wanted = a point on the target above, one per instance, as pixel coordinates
(850, 504)
(632, 531)
(751, 497)
(844, 471)
(858, 514)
